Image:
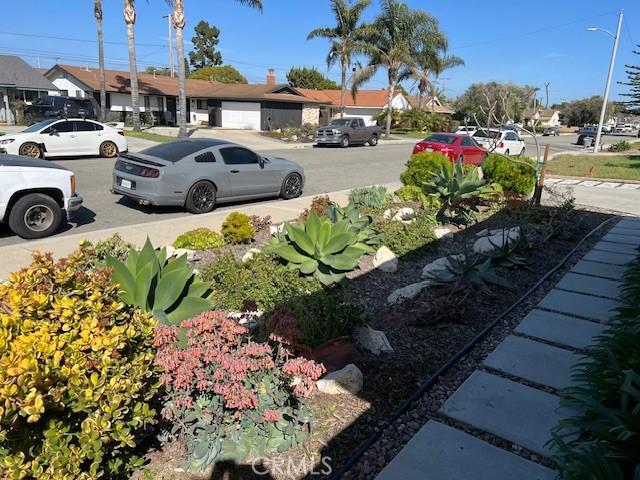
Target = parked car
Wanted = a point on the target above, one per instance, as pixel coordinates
(466, 130)
(199, 173)
(458, 148)
(551, 131)
(35, 196)
(624, 128)
(67, 137)
(587, 135)
(347, 131)
(51, 106)
(505, 142)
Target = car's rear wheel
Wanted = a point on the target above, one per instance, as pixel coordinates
(291, 186)
(108, 149)
(345, 142)
(30, 149)
(201, 197)
(522, 152)
(35, 216)
(373, 141)
(507, 152)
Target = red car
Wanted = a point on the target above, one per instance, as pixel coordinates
(458, 148)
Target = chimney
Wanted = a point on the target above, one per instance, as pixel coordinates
(271, 77)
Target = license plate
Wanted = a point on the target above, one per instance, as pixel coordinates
(125, 183)
(428, 149)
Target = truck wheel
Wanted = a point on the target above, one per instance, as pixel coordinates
(345, 142)
(373, 141)
(30, 149)
(35, 216)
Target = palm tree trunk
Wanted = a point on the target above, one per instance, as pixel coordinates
(179, 22)
(392, 86)
(343, 85)
(130, 19)
(103, 91)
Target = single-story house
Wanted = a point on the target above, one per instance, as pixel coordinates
(19, 81)
(366, 103)
(430, 104)
(242, 106)
(545, 117)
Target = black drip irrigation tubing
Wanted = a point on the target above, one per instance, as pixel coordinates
(453, 360)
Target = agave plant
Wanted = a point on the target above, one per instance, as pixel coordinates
(319, 247)
(166, 287)
(372, 197)
(367, 238)
(507, 254)
(460, 270)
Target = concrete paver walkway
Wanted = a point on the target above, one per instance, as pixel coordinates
(541, 351)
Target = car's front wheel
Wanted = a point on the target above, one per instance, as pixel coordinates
(291, 186)
(345, 142)
(35, 216)
(108, 149)
(30, 149)
(201, 197)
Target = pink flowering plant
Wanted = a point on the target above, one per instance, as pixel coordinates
(229, 397)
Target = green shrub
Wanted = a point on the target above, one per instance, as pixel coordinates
(407, 238)
(517, 176)
(262, 280)
(422, 167)
(412, 193)
(371, 197)
(76, 374)
(199, 239)
(166, 287)
(607, 397)
(230, 397)
(95, 256)
(621, 146)
(413, 119)
(237, 228)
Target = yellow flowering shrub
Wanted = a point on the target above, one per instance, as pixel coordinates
(76, 373)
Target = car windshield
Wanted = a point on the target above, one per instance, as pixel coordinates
(342, 122)
(36, 127)
(487, 134)
(441, 138)
(173, 151)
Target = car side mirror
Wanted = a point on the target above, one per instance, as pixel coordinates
(53, 132)
(261, 161)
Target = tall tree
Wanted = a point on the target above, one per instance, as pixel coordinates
(304, 77)
(130, 20)
(346, 38)
(204, 52)
(632, 105)
(221, 73)
(178, 19)
(159, 71)
(396, 33)
(97, 12)
(487, 102)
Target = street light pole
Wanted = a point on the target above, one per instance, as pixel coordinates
(616, 40)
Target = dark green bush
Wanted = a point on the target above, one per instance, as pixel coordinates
(621, 146)
(262, 280)
(421, 168)
(518, 175)
(407, 238)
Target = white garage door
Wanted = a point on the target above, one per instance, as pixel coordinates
(243, 115)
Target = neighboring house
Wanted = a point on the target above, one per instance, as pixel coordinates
(545, 117)
(430, 104)
(20, 82)
(366, 103)
(240, 106)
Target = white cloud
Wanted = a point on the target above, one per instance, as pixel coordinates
(555, 55)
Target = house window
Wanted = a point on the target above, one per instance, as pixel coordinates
(79, 93)
(147, 103)
(202, 104)
(64, 93)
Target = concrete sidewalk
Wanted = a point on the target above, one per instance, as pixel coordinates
(509, 397)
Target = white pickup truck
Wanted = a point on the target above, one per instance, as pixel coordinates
(35, 195)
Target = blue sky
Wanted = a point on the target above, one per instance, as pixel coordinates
(499, 40)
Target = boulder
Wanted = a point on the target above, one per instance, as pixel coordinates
(247, 257)
(405, 214)
(191, 254)
(246, 319)
(344, 381)
(439, 264)
(405, 293)
(293, 138)
(385, 260)
(492, 239)
(373, 340)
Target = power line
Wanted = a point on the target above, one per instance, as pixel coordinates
(81, 40)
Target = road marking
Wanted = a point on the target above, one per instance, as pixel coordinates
(570, 181)
(609, 185)
(590, 183)
(629, 186)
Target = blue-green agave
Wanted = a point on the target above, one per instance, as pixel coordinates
(367, 238)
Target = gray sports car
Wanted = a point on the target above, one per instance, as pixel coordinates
(198, 173)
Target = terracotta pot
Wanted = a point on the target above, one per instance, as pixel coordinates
(335, 354)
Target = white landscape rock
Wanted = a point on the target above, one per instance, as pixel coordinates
(491, 239)
(347, 380)
(404, 214)
(171, 251)
(438, 265)
(373, 340)
(191, 254)
(408, 292)
(441, 232)
(247, 257)
(385, 260)
(275, 229)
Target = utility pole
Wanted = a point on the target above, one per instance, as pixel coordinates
(168, 17)
(612, 64)
(546, 89)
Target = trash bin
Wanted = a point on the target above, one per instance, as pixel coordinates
(587, 142)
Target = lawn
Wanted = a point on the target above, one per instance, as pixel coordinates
(410, 133)
(621, 167)
(154, 137)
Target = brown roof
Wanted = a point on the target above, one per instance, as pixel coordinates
(363, 98)
(544, 112)
(119, 81)
(444, 109)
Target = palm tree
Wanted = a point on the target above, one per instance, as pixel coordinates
(346, 38)
(178, 20)
(130, 20)
(97, 11)
(396, 33)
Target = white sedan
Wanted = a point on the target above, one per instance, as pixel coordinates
(66, 137)
(505, 142)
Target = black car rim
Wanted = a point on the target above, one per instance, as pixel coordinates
(203, 198)
(38, 218)
(292, 186)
